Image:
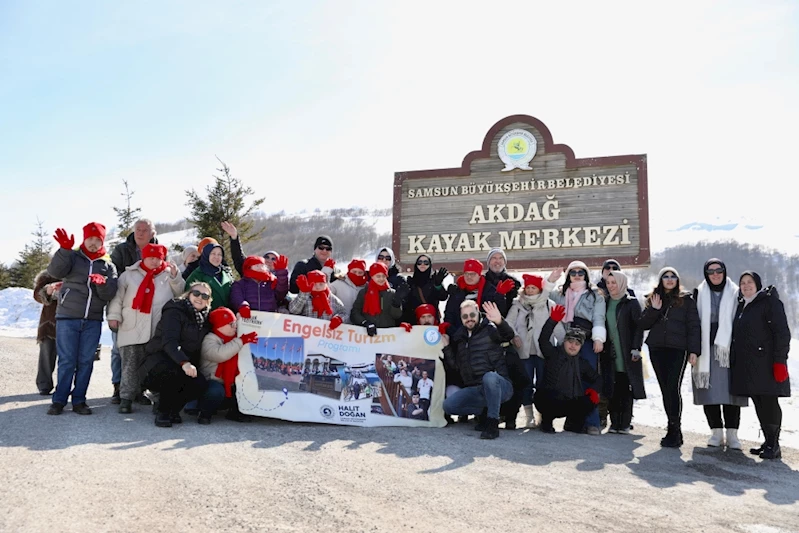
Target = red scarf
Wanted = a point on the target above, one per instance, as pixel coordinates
(321, 302)
(227, 370)
(144, 296)
(92, 256)
(266, 277)
(469, 288)
(358, 281)
(371, 302)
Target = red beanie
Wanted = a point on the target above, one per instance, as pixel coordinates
(473, 265)
(378, 268)
(94, 229)
(357, 263)
(532, 279)
(316, 276)
(253, 260)
(205, 242)
(425, 309)
(221, 316)
(154, 250)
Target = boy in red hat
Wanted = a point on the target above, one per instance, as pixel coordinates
(89, 283)
(377, 305)
(347, 288)
(315, 300)
(259, 288)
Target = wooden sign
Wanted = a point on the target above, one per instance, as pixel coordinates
(529, 196)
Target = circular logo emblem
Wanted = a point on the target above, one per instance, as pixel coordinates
(516, 149)
(432, 336)
(327, 411)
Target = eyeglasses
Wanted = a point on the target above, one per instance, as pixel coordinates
(468, 315)
(577, 273)
(325, 248)
(200, 294)
(422, 262)
(669, 276)
(715, 271)
(385, 258)
(271, 258)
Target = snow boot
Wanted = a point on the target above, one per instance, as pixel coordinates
(529, 417)
(716, 437)
(491, 429)
(481, 421)
(772, 448)
(115, 399)
(732, 439)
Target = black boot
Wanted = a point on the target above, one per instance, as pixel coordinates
(673, 438)
(758, 451)
(481, 421)
(491, 429)
(546, 425)
(771, 449)
(115, 399)
(125, 407)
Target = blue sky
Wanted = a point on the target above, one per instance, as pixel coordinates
(318, 104)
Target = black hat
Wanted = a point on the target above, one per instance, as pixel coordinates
(322, 240)
(755, 276)
(575, 334)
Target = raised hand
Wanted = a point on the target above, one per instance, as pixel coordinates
(555, 275)
(557, 313)
(97, 279)
(303, 284)
(250, 338)
(656, 301)
(245, 310)
(438, 276)
(505, 286)
(61, 238)
(230, 229)
(335, 322)
(330, 263)
(281, 263)
(492, 312)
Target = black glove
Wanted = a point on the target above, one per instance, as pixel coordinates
(401, 291)
(453, 289)
(438, 276)
(371, 329)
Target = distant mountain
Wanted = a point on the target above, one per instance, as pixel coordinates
(772, 234)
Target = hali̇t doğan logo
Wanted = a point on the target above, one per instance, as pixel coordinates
(516, 149)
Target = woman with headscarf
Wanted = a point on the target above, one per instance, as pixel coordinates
(674, 331)
(425, 288)
(211, 271)
(759, 356)
(622, 370)
(716, 300)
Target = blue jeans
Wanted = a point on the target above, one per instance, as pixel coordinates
(587, 353)
(212, 398)
(76, 341)
(472, 400)
(534, 366)
(116, 361)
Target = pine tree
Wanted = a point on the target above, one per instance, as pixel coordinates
(127, 215)
(226, 201)
(33, 258)
(5, 276)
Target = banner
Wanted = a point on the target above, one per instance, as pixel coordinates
(302, 371)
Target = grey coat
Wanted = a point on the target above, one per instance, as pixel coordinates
(590, 307)
(78, 297)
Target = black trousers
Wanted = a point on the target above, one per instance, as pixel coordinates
(621, 403)
(175, 387)
(669, 365)
(732, 416)
(575, 410)
(47, 359)
(768, 411)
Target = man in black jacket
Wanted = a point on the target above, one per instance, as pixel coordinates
(497, 276)
(564, 374)
(322, 259)
(476, 352)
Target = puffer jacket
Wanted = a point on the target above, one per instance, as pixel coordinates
(564, 374)
(214, 351)
(305, 266)
(590, 309)
(760, 338)
(346, 291)
(481, 352)
(673, 326)
(260, 294)
(78, 297)
(528, 323)
(388, 315)
(452, 312)
(49, 302)
(136, 327)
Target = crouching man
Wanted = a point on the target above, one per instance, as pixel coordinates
(476, 353)
(565, 371)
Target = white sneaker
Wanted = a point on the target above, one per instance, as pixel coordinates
(717, 438)
(732, 439)
(529, 417)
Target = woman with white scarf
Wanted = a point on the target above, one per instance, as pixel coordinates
(716, 300)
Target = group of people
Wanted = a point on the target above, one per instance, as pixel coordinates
(571, 350)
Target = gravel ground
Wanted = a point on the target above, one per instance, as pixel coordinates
(112, 472)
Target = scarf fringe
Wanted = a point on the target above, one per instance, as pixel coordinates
(723, 356)
(701, 380)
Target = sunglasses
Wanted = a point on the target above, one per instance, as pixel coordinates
(385, 258)
(325, 248)
(715, 271)
(577, 273)
(422, 262)
(271, 258)
(612, 267)
(669, 276)
(468, 315)
(200, 294)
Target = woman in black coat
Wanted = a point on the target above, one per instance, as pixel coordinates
(622, 370)
(173, 354)
(759, 355)
(424, 288)
(671, 317)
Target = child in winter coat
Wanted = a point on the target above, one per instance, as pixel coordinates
(377, 305)
(347, 289)
(315, 300)
(260, 289)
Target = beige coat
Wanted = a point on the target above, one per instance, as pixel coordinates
(136, 327)
(215, 351)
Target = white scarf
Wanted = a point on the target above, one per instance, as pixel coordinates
(729, 301)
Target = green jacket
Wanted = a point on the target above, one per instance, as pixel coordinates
(220, 291)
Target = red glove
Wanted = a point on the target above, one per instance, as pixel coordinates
(250, 338)
(504, 287)
(97, 279)
(335, 322)
(244, 310)
(443, 327)
(592, 395)
(303, 284)
(330, 263)
(557, 313)
(406, 326)
(780, 372)
(281, 263)
(62, 239)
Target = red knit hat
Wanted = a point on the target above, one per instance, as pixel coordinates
(357, 263)
(378, 268)
(253, 260)
(425, 309)
(473, 265)
(316, 276)
(94, 229)
(221, 316)
(532, 279)
(154, 250)
(205, 242)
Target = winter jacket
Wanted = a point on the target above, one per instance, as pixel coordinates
(214, 351)
(136, 327)
(590, 310)
(388, 316)
(259, 294)
(346, 291)
(673, 326)
(760, 338)
(79, 297)
(494, 280)
(564, 374)
(528, 323)
(452, 312)
(475, 354)
(424, 293)
(302, 305)
(305, 266)
(220, 289)
(631, 335)
(49, 303)
(178, 338)
(126, 253)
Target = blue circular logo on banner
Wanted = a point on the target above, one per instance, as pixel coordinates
(432, 336)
